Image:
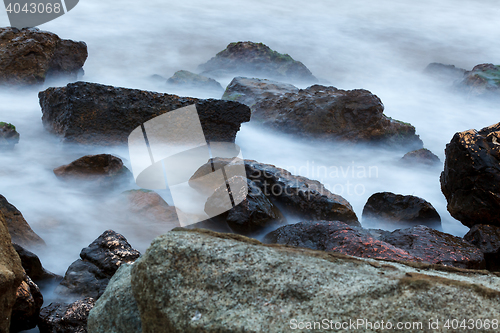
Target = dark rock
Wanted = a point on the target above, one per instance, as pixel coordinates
(448, 73)
(471, 177)
(249, 91)
(421, 157)
(482, 81)
(188, 80)
(487, 239)
(335, 236)
(436, 247)
(33, 267)
(66, 318)
(19, 229)
(30, 56)
(104, 169)
(328, 113)
(387, 208)
(256, 59)
(26, 310)
(90, 113)
(8, 136)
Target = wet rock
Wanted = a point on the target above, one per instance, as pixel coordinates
(150, 205)
(446, 73)
(11, 275)
(328, 113)
(90, 113)
(482, 81)
(187, 80)
(30, 56)
(66, 318)
(103, 170)
(33, 267)
(26, 310)
(420, 157)
(487, 239)
(436, 247)
(254, 212)
(471, 177)
(256, 59)
(249, 91)
(19, 229)
(335, 236)
(386, 208)
(8, 136)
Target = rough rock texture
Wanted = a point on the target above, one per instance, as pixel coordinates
(487, 239)
(328, 113)
(335, 236)
(483, 80)
(66, 318)
(104, 169)
(150, 205)
(237, 284)
(116, 310)
(8, 136)
(436, 247)
(387, 208)
(90, 113)
(256, 59)
(471, 177)
(19, 229)
(249, 91)
(186, 79)
(11, 275)
(421, 157)
(33, 267)
(25, 312)
(29, 56)
(447, 73)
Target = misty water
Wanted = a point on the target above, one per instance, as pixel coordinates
(381, 47)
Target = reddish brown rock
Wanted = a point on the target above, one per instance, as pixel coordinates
(26, 310)
(420, 157)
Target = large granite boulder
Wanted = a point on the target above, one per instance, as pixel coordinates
(91, 113)
(394, 210)
(8, 136)
(30, 56)
(256, 59)
(66, 318)
(487, 239)
(19, 229)
(328, 113)
(471, 177)
(200, 281)
(482, 81)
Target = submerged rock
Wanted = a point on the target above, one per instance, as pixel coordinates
(188, 80)
(90, 113)
(471, 177)
(30, 56)
(8, 136)
(487, 239)
(421, 157)
(26, 310)
(66, 318)
(446, 73)
(482, 81)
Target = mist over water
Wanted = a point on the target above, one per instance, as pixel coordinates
(382, 47)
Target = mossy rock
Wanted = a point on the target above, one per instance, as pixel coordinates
(8, 135)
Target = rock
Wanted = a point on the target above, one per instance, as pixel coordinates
(66, 318)
(103, 170)
(420, 157)
(8, 136)
(19, 229)
(335, 236)
(296, 195)
(471, 177)
(26, 310)
(487, 239)
(236, 284)
(30, 56)
(89, 276)
(11, 275)
(188, 80)
(482, 81)
(33, 267)
(249, 91)
(256, 59)
(401, 211)
(328, 113)
(442, 72)
(254, 212)
(90, 113)
(436, 247)
(150, 205)
(116, 310)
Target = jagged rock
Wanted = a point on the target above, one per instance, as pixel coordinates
(471, 177)
(66, 318)
(249, 91)
(386, 208)
(328, 113)
(11, 275)
(33, 267)
(30, 56)
(26, 310)
(19, 229)
(256, 59)
(90, 113)
(446, 73)
(421, 157)
(487, 239)
(188, 80)
(8, 136)
(483, 80)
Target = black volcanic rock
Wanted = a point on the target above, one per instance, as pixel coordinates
(66, 318)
